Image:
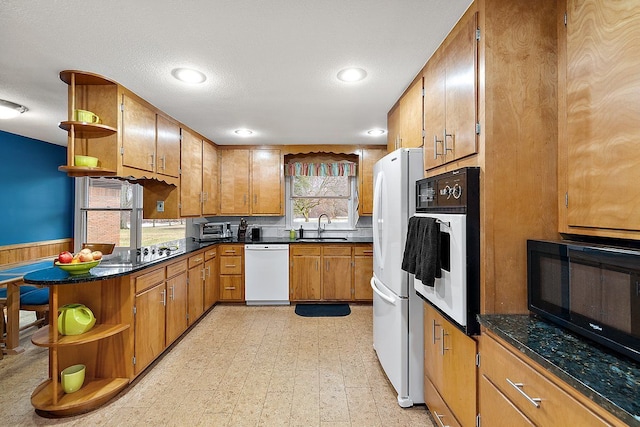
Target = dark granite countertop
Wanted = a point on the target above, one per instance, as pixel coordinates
(609, 379)
(128, 262)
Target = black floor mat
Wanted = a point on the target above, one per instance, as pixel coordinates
(322, 310)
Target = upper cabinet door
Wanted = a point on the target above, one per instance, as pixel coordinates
(167, 147)
(266, 182)
(234, 182)
(434, 111)
(411, 116)
(393, 129)
(191, 178)
(138, 135)
(368, 159)
(210, 184)
(602, 115)
(461, 102)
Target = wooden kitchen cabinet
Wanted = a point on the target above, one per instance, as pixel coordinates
(195, 291)
(177, 301)
(362, 272)
(450, 96)
(231, 272)
(210, 184)
(267, 175)
(404, 121)
(337, 273)
(191, 179)
(251, 182)
(212, 279)
(598, 110)
(305, 275)
(510, 380)
(167, 147)
(149, 326)
(138, 135)
(368, 159)
(449, 368)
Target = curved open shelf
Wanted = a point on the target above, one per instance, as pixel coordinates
(86, 171)
(88, 130)
(93, 393)
(42, 338)
(84, 78)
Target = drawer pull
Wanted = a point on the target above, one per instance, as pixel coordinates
(229, 265)
(230, 288)
(442, 347)
(433, 327)
(439, 418)
(230, 251)
(518, 386)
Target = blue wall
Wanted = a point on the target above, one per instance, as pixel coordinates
(36, 199)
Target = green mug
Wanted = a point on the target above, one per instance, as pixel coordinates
(86, 116)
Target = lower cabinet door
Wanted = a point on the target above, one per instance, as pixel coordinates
(176, 307)
(496, 409)
(231, 288)
(211, 287)
(149, 325)
(196, 293)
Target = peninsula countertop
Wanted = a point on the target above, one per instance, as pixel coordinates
(127, 262)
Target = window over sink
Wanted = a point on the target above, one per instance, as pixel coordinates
(109, 210)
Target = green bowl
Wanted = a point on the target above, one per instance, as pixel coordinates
(87, 161)
(77, 268)
(72, 378)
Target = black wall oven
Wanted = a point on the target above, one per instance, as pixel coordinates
(591, 289)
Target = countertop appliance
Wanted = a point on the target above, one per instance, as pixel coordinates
(397, 310)
(212, 231)
(591, 289)
(266, 274)
(453, 199)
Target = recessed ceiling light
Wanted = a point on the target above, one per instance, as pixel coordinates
(243, 132)
(188, 75)
(376, 132)
(352, 74)
(9, 110)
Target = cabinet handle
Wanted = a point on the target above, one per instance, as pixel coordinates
(173, 293)
(230, 251)
(255, 199)
(244, 199)
(535, 401)
(433, 328)
(164, 162)
(208, 271)
(229, 288)
(327, 265)
(316, 265)
(164, 297)
(230, 265)
(435, 147)
(203, 274)
(205, 196)
(439, 419)
(444, 142)
(367, 252)
(153, 161)
(442, 347)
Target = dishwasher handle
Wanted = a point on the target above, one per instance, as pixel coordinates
(258, 248)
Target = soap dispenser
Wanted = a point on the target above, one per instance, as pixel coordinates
(301, 232)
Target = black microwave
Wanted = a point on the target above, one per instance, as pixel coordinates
(593, 290)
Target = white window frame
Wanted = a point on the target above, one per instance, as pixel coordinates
(350, 225)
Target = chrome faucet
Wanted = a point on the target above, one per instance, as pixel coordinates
(320, 230)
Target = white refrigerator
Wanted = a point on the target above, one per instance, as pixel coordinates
(397, 309)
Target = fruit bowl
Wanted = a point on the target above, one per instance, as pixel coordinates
(78, 267)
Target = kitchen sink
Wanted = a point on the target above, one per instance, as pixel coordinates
(321, 239)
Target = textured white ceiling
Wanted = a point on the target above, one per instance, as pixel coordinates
(271, 65)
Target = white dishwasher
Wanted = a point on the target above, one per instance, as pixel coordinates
(266, 274)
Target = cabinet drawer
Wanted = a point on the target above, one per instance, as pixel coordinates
(496, 409)
(231, 250)
(210, 253)
(540, 400)
(365, 250)
(437, 407)
(304, 250)
(176, 268)
(344, 250)
(196, 259)
(149, 279)
(230, 265)
(231, 288)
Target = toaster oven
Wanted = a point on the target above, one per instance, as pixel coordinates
(212, 231)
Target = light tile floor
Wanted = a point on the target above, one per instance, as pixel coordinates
(240, 366)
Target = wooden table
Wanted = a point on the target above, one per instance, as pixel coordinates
(12, 278)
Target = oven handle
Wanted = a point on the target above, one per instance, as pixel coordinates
(380, 294)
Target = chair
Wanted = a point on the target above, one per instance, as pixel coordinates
(32, 298)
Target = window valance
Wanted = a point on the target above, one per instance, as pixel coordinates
(320, 169)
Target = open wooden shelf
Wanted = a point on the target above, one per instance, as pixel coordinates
(92, 394)
(84, 78)
(77, 171)
(88, 130)
(43, 338)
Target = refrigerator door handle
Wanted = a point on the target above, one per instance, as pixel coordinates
(380, 294)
